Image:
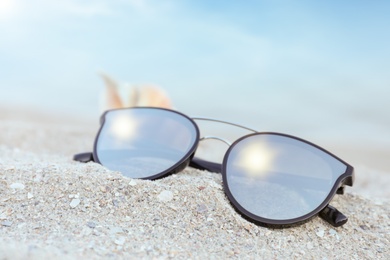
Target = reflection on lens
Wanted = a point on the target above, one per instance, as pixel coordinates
(256, 160)
(145, 142)
(124, 127)
(278, 177)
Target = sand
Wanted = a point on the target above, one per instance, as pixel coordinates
(53, 207)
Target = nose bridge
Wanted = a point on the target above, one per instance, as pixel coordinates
(224, 122)
(216, 138)
(227, 142)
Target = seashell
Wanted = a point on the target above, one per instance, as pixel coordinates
(120, 96)
(111, 95)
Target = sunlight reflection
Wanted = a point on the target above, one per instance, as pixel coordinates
(124, 127)
(7, 7)
(257, 160)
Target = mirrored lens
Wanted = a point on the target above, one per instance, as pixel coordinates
(145, 142)
(278, 177)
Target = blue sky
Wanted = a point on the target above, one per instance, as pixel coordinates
(297, 56)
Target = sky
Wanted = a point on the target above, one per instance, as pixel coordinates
(277, 64)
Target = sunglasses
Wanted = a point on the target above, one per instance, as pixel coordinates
(271, 179)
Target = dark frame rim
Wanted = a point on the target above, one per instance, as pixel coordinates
(180, 165)
(345, 178)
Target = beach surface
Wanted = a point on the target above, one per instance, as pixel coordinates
(53, 207)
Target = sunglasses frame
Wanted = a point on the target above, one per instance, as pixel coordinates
(324, 210)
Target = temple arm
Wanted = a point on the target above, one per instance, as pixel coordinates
(83, 157)
(333, 216)
(206, 165)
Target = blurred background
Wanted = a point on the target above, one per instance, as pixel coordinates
(318, 70)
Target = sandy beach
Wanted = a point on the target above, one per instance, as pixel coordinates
(53, 207)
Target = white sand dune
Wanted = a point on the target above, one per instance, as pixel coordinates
(51, 206)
